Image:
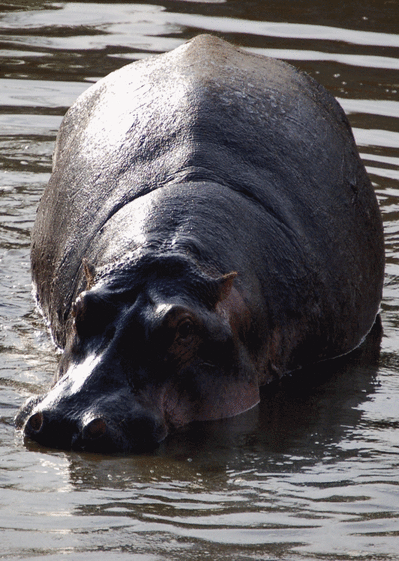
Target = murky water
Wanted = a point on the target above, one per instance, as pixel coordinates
(313, 473)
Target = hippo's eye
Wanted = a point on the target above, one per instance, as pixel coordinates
(185, 331)
(182, 335)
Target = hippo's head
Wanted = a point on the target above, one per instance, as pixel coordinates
(148, 350)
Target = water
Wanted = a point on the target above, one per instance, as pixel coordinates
(313, 472)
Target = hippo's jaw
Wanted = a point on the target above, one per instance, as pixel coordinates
(123, 422)
(120, 424)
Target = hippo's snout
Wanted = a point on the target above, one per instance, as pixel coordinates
(135, 432)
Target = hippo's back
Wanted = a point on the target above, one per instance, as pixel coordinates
(210, 112)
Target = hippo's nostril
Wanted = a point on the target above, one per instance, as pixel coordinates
(35, 422)
(95, 429)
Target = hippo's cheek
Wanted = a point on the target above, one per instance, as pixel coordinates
(217, 400)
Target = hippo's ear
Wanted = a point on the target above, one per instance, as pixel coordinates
(223, 286)
(90, 273)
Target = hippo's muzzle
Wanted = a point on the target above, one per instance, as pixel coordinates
(97, 429)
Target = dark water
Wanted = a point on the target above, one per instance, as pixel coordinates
(311, 474)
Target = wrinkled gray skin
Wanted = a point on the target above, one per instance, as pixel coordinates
(208, 227)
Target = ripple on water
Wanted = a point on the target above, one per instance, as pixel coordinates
(312, 474)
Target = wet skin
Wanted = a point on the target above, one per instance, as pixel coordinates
(208, 227)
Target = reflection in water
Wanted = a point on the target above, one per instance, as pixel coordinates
(311, 472)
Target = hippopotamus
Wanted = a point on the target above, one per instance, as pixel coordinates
(208, 227)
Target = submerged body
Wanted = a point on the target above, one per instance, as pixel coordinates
(208, 227)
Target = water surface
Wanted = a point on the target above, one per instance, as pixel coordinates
(310, 474)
